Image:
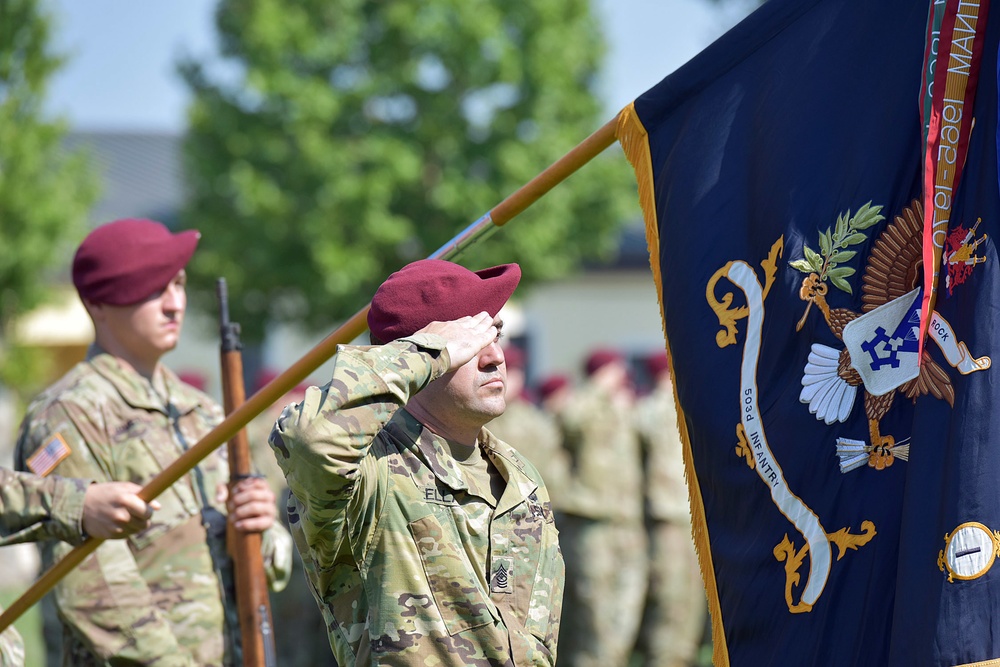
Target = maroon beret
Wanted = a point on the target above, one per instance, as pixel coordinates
(265, 377)
(657, 363)
(435, 290)
(125, 261)
(598, 359)
(551, 385)
(514, 357)
(193, 378)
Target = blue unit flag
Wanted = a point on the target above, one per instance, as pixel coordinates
(821, 200)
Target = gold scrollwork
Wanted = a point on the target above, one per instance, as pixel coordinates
(845, 540)
(743, 446)
(785, 551)
(770, 265)
(728, 316)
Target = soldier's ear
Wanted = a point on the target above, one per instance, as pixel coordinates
(95, 310)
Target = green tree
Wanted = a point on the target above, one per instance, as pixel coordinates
(45, 192)
(339, 139)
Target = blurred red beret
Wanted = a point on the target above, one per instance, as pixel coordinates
(193, 378)
(435, 290)
(551, 385)
(514, 357)
(125, 261)
(600, 358)
(657, 363)
(264, 377)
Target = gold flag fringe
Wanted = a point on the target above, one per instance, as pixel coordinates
(634, 141)
(987, 663)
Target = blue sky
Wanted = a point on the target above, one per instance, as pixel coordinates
(120, 72)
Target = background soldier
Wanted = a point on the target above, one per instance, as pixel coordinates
(676, 606)
(603, 538)
(534, 433)
(554, 393)
(163, 597)
(35, 508)
(426, 539)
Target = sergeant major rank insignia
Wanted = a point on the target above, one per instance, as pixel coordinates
(502, 578)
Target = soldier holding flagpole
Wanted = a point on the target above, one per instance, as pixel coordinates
(163, 597)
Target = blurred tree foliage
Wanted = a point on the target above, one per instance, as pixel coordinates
(339, 139)
(45, 192)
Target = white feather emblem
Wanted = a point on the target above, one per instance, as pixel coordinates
(829, 397)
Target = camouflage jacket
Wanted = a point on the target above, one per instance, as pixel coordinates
(537, 437)
(408, 566)
(35, 508)
(162, 596)
(38, 508)
(605, 478)
(666, 488)
(11, 648)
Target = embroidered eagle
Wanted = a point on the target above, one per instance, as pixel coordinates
(894, 268)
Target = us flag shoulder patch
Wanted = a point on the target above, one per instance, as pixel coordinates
(48, 457)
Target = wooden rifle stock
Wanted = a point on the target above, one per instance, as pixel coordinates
(252, 601)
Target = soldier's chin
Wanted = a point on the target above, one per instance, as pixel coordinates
(499, 407)
(169, 343)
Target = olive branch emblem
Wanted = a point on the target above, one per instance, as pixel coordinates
(833, 244)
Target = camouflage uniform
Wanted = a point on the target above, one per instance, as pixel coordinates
(676, 606)
(604, 540)
(536, 436)
(407, 564)
(299, 630)
(157, 597)
(258, 431)
(11, 648)
(35, 508)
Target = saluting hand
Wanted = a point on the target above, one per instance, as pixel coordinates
(113, 509)
(466, 336)
(251, 506)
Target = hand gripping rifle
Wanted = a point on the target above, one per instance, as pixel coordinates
(252, 602)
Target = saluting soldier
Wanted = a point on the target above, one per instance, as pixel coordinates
(164, 596)
(36, 508)
(426, 539)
